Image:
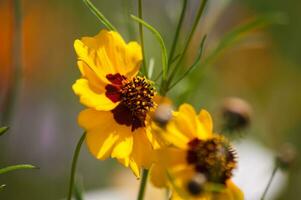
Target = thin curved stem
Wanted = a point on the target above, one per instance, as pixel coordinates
(175, 40)
(74, 163)
(16, 167)
(141, 34)
(143, 185)
(269, 183)
(3, 130)
(194, 65)
(195, 24)
(161, 42)
(99, 15)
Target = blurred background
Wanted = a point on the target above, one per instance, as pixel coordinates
(38, 62)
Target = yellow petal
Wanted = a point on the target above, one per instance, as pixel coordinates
(237, 194)
(101, 135)
(143, 153)
(124, 161)
(231, 192)
(123, 147)
(107, 53)
(153, 134)
(95, 60)
(186, 121)
(175, 136)
(135, 168)
(158, 176)
(94, 82)
(90, 98)
(133, 59)
(170, 157)
(206, 120)
(100, 145)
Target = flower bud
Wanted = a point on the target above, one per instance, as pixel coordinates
(162, 114)
(236, 114)
(286, 156)
(196, 185)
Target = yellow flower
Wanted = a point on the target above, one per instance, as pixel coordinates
(197, 164)
(118, 100)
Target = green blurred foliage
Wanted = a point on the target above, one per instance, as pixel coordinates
(287, 36)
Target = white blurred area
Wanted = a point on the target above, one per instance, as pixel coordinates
(256, 164)
(255, 167)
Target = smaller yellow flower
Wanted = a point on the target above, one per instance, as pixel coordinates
(197, 164)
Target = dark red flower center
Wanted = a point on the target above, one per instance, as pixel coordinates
(135, 97)
(215, 158)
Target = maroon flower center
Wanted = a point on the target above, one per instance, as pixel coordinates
(215, 158)
(135, 97)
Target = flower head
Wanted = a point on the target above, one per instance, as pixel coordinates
(117, 99)
(198, 164)
(236, 114)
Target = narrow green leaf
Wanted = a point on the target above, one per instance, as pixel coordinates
(99, 15)
(172, 61)
(141, 34)
(200, 12)
(74, 164)
(229, 39)
(3, 130)
(16, 167)
(194, 65)
(177, 33)
(2, 187)
(161, 42)
(175, 58)
(78, 192)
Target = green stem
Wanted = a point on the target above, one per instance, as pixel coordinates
(141, 34)
(194, 65)
(99, 15)
(195, 24)
(2, 187)
(161, 42)
(179, 26)
(16, 167)
(142, 185)
(127, 9)
(270, 181)
(3, 130)
(73, 167)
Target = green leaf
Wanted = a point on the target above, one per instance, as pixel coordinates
(194, 65)
(172, 61)
(99, 15)
(78, 192)
(3, 130)
(161, 42)
(200, 12)
(16, 167)
(229, 39)
(2, 187)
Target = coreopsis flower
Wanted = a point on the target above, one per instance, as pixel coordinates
(197, 164)
(118, 100)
